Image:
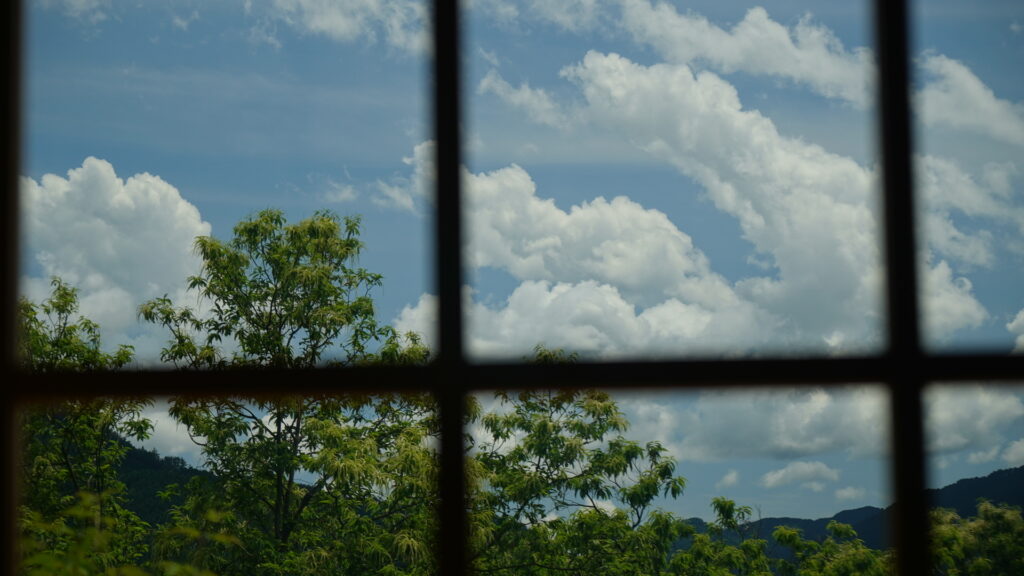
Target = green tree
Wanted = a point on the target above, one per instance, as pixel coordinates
(556, 489)
(287, 296)
(52, 336)
(988, 544)
(298, 472)
(71, 449)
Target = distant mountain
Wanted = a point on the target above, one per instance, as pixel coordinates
(872, 524)
(144, 473)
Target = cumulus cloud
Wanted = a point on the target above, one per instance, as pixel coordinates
(1014, 453)
(118, 241)
(809, 212)
(807, 53)
(778, 424)
(955, 97)
(850, 493)
(810, 475)
(974, 417)
(401, 24)
(409, 193)
(169, 438)
(948, 303)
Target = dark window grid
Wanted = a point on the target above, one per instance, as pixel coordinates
(451, 378)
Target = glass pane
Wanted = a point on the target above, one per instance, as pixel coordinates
(969, 125)
(660, 179)
(149, 124)
(679, 482)
(230, 486)
(975, 446)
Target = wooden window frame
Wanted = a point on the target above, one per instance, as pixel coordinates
(451, 377)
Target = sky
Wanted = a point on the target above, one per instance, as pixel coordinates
(643, 179)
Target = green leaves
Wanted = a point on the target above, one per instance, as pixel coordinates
(289, 296)
(52, 337)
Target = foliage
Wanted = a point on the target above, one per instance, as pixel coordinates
(295, 472)
(53, 338)
(988, 544)
(284, 295)
(553, 476)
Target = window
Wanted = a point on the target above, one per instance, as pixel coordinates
(903, 367)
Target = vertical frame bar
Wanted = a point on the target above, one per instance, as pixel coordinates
(911, 517)
(452, 548)
(12, 63)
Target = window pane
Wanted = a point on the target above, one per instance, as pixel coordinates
(230, 486)
(149, 124)
(970, 152)
(975, 447)
(658, 179)
(666, 480)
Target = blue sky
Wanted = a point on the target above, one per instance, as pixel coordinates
(643, 179)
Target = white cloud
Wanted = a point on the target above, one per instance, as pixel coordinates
(119, 242)
(1014, 453)
(536, 103)
(982, 456)
(808, 212)
(409, 193)
(731, 478)
(1015, 27)
(974, 417)
(1016, 326)
(86, 11)
(169, 438)
(781, 424)
(948, 303)
(182, 23)
(339, 193)
(850, 493)
(401, 23)
(811, 475)
(955, 97)
(807, 53)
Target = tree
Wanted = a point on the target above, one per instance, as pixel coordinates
(53, 337)
(71, 449)
(284, 295)
(555, 488)
(988, 544)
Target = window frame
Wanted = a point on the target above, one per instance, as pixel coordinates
(451, 378)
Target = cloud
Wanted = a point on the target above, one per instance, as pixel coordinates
(536, 103)
(85, 11)
(401, 23)
(784, 424)
(969, 417)
(982, 456)
(850, 493)
(409, 193)
(808, 212)
(811, 475)
(183, 23)
(120, 242)
(1014, 453)
(807, 53)
(1016, 326)
(948, 303)
(956, 98)
(169, 438)
(1015, 27)
(731, 478)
